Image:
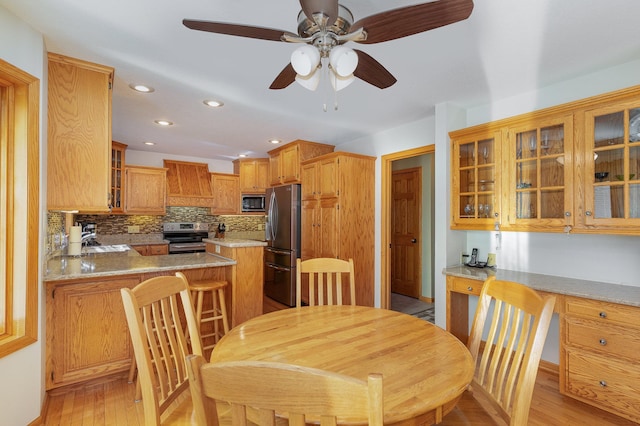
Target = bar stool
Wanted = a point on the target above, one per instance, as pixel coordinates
(217, 313)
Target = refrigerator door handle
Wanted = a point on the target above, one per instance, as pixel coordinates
(273, 215)
(276, 251)
(278, 268)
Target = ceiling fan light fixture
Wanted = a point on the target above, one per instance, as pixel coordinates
(343, 60)
(309, 82)
(305, 60)
(338, 82)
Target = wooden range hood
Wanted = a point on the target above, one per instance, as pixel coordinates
(188, 184)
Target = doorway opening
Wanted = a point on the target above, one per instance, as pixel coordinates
(407, 276)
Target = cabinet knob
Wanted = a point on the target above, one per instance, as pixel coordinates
(602, 314)
(588, 213)
(603, 342)
(470, 288)
(567, 214)
(603, 383)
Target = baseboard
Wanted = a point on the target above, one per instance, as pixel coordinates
(549, 367)
(427, 299)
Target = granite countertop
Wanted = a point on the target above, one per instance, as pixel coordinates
(129, 262)
(235, 242)
(606, 292)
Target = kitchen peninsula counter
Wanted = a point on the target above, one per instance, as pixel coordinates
(87, 335)
(130, 262)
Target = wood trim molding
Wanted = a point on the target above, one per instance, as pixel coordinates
(20, 180)
(385, 217)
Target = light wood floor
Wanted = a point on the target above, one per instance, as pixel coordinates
(111, 403)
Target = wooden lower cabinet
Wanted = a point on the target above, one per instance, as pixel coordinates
(599, 361)
(87, 336)
(151, 249)
(87, 333)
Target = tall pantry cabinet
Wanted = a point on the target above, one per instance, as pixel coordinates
(338, 214)
(79, 135)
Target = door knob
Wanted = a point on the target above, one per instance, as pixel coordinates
(414, 240)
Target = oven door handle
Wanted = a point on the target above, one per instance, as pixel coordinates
(180, 246)
(276, 251)
(278, 268)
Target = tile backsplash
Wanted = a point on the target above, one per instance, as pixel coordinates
(119, 224)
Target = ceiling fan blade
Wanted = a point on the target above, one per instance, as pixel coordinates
(372, 71)
(406, 21)
(237, 30)
(328, 7)
(285, 78)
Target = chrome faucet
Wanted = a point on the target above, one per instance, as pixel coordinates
(86, 237)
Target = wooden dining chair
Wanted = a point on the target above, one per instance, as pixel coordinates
(515, 320)
(155, 309)
(324, 278)
(258, 390)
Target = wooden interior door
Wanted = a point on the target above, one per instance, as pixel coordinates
(406, 195)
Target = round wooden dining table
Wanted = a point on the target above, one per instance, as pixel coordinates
(425, 369)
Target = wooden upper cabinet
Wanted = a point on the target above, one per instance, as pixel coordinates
(79, 135)
(540, 155)
(338, 213)
(146, 190)
(188, 184)
(612, 167)
(570, 168)
(226, 189)
(285, 160)
(254, 175)
(475, 201)
(116, 200)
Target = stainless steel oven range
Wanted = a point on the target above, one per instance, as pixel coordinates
(186, 237)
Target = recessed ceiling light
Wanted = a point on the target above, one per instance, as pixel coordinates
(274, 141)
(150, 143)
(242, 155)
(163, 123)
(213, 103)
(141, 88)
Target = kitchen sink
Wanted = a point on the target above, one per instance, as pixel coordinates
(115, 248)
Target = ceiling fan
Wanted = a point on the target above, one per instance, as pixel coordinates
(324, 26)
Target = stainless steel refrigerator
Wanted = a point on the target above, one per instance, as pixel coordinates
(283, 243)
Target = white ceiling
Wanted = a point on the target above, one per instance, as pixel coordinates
(506, 47)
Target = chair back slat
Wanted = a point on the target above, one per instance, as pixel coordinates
(158, 313)
(515, 320)
(326, 280)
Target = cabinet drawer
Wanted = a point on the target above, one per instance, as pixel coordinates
(602, 311)
(611, 385)
(605, 339)
(158, 249)
(462, 285)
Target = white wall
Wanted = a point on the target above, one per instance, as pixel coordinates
(21, 373)
(596, 257)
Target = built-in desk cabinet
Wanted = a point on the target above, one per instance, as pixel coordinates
(599, 346)
(79, 135)
(570, 168)
(599, 360)
(151, 249)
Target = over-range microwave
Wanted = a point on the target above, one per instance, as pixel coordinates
(253, 203)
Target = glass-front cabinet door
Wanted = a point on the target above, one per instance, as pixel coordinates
(476, 185)
(612, 166)
(116, 197)
(540, 189)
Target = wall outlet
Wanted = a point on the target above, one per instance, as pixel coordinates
(217, 248)
(134, 229)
